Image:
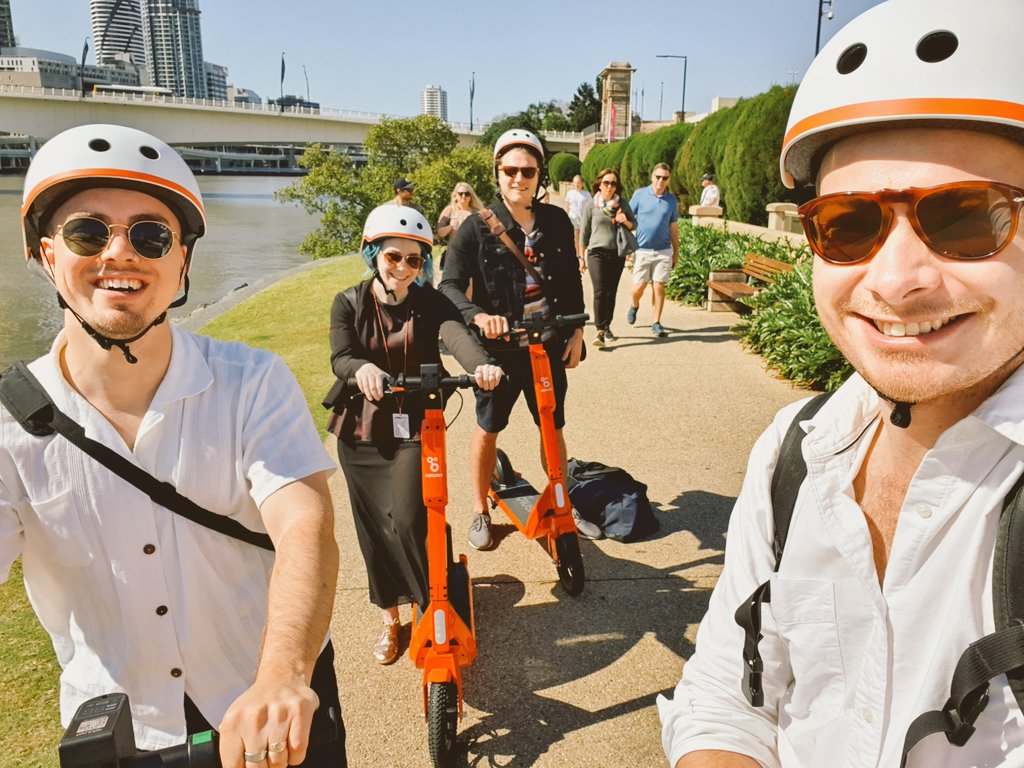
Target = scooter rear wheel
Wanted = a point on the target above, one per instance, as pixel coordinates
(442, 722)
(570, 563)
(503, 470)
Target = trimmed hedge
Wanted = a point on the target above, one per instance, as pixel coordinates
(749, 172)
(562, 167)
(783, 327)
(703, 152)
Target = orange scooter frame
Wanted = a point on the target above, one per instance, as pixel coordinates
(547, 513)
(443, 637)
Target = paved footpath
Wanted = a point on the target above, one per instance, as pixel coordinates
(563, 681)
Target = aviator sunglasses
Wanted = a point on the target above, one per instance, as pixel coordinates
(961, 220)
(512, 170)
(412, 260)
(86, 236)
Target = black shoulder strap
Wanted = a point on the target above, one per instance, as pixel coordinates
(790, 471)
(1000, 653)
(28, 402)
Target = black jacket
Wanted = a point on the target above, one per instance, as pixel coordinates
(498, 279)
(353, 325)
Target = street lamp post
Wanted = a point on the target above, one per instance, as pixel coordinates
(822, 12)
(675, 56)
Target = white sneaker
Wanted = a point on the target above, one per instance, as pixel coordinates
(585, 528)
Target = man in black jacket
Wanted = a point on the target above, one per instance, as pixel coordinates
(503, 292)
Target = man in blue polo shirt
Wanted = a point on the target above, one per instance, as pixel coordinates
(657, 231)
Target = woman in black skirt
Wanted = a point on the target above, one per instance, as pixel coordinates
(382, 327)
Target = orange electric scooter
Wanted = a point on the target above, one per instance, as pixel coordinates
(544, 514)
(444, 636)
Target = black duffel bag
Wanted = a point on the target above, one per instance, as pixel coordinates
(611, 498)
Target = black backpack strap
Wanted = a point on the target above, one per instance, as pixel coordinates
(1000, 653)
(23, 395)
(790, 471)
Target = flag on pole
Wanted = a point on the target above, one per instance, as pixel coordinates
(81, 71)
(282, 69)
(85, 50)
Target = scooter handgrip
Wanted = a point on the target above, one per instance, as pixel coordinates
(572, 320)
(202, 750)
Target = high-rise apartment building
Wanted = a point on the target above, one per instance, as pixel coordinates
(6, 25)
(174, 46)
(434, 101)
(117, 30)
(216, 81)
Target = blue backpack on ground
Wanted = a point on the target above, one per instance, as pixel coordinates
(612, 499)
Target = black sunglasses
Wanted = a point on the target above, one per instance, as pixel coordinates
(464, 194)
(86, 236)
(512, 170)
(661, 178)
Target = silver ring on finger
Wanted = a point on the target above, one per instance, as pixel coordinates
(254, 757)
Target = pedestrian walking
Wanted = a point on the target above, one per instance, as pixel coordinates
(657, 235)
(599, 237)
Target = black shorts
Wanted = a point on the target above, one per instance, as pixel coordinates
(324, 683)
(493, 408)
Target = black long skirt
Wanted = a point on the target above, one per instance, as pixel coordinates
(391, 522)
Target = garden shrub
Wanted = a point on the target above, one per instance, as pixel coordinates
(563, 167)
(702, 152)
(785, 331)
(783, 327)
(749, 172)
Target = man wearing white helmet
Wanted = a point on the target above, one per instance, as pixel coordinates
(198, 627)
(504, 291)
(882, 626)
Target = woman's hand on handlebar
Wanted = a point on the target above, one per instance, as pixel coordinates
(268, 715)
(488, 376)
(370, 380)
(573, 349)
(492, 326)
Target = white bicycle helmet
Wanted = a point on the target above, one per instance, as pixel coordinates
(518, 137)
(397, 221)
(926, 62)
(108, 156)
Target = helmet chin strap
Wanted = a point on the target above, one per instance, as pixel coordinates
(379, 279)
(107, 342)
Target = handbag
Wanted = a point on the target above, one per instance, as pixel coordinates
(625, 241)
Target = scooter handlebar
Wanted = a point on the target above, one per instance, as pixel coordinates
(101, 734)
(537, 323)
(427, 381)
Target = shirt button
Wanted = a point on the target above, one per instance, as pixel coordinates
(149, 549)
(175, 672)
(924, 511)
(868, 716)
(161, 610)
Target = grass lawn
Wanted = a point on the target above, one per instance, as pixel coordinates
(292, 318)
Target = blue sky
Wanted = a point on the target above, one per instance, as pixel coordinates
(377, 56)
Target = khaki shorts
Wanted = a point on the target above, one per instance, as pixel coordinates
(651, 265)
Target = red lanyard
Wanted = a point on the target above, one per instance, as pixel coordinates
(384, 341)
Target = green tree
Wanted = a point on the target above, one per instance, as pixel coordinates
(563, 167)
(407, 143)
(585, 108)
(436, 179)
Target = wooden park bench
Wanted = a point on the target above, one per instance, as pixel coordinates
(728, 285)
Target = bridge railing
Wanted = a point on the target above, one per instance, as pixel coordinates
(221, 104)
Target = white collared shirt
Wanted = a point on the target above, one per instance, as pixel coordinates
(136, 598)
(849, 664)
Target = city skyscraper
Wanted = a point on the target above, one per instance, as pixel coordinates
(434, 101)
(6, 25)
(117, 29)
(174, 46)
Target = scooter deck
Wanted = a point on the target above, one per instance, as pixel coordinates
(518, 499)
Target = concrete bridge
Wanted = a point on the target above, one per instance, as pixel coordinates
(207, 126)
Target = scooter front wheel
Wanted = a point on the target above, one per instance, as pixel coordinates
(570, 563)
(442, 722)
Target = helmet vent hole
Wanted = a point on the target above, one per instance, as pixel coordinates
(851, 59)
(937, 46)
(419, 225)
(99, 145)
(149, 152)
(403, 222)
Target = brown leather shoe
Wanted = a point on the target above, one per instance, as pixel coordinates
(385, 650)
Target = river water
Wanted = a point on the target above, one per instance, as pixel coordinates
(250, 235)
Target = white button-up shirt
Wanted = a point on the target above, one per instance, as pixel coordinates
(848, 663)
(136, 598)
